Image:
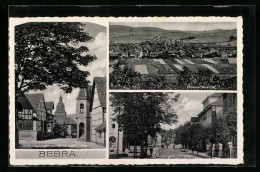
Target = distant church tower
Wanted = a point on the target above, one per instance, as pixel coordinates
(60, 114)
(83, 114)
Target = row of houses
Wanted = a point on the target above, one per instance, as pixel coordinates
(216, 106)
(172, 49)
(36, 120)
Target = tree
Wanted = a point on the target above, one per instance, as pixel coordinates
(184, 134)
(218, 132)
(142, 114)
(231, 119)
(124, 78)
(49, 53)
(232, 38)
(197, 133)
(158, 83)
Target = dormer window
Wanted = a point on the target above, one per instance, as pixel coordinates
(81, 108)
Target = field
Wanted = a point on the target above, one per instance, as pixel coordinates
(175, 66)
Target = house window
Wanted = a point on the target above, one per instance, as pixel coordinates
(113, 125)
(81, 108)
(99, 134)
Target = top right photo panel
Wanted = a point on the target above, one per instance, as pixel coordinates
(173, 55)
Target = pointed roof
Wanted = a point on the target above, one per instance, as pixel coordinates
(35, 99)
(85, 93)
(60, 108)
(24, 102)
(100, 84)
(49, 105)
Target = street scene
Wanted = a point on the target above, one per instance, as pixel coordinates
(172, 125)
(166, 56)
(60, 93)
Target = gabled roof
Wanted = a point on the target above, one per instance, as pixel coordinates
(35, 99)
(100, 84)
(101, 127)
(24, 102)
(49, 105)
(85, 93)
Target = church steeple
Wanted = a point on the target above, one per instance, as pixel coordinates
(60, 114)
(60, 106)
(60, 99)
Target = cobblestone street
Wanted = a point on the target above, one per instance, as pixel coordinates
(72, 143)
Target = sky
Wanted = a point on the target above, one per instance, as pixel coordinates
(189, 105)
(184, 26)
(97, 46)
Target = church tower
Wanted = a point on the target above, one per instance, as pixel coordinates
(60, 114)
(83, 114)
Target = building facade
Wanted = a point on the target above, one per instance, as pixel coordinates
(212, 109)
(49, 118)
(83, 114)
(115, 136)
(230, 106)
(32, 117)
(98, 111)
(91, 112)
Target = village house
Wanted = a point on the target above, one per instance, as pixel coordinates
(49, 118)
(98, 110)
(32, 117)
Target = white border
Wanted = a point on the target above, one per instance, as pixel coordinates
(105, 22)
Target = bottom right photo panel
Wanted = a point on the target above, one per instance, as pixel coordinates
(172, 125)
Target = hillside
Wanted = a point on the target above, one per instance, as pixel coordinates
(126, 34)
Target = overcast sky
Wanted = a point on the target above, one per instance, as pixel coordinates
(189, 105)
(185, 26)
(97, 46)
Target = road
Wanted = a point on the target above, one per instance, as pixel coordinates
(60, 143)
(175, 154)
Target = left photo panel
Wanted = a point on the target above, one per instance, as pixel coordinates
(57, 89)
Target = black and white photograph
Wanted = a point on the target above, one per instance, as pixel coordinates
(103, 91)
(173, 55)
(149, 125)
(60, 85)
